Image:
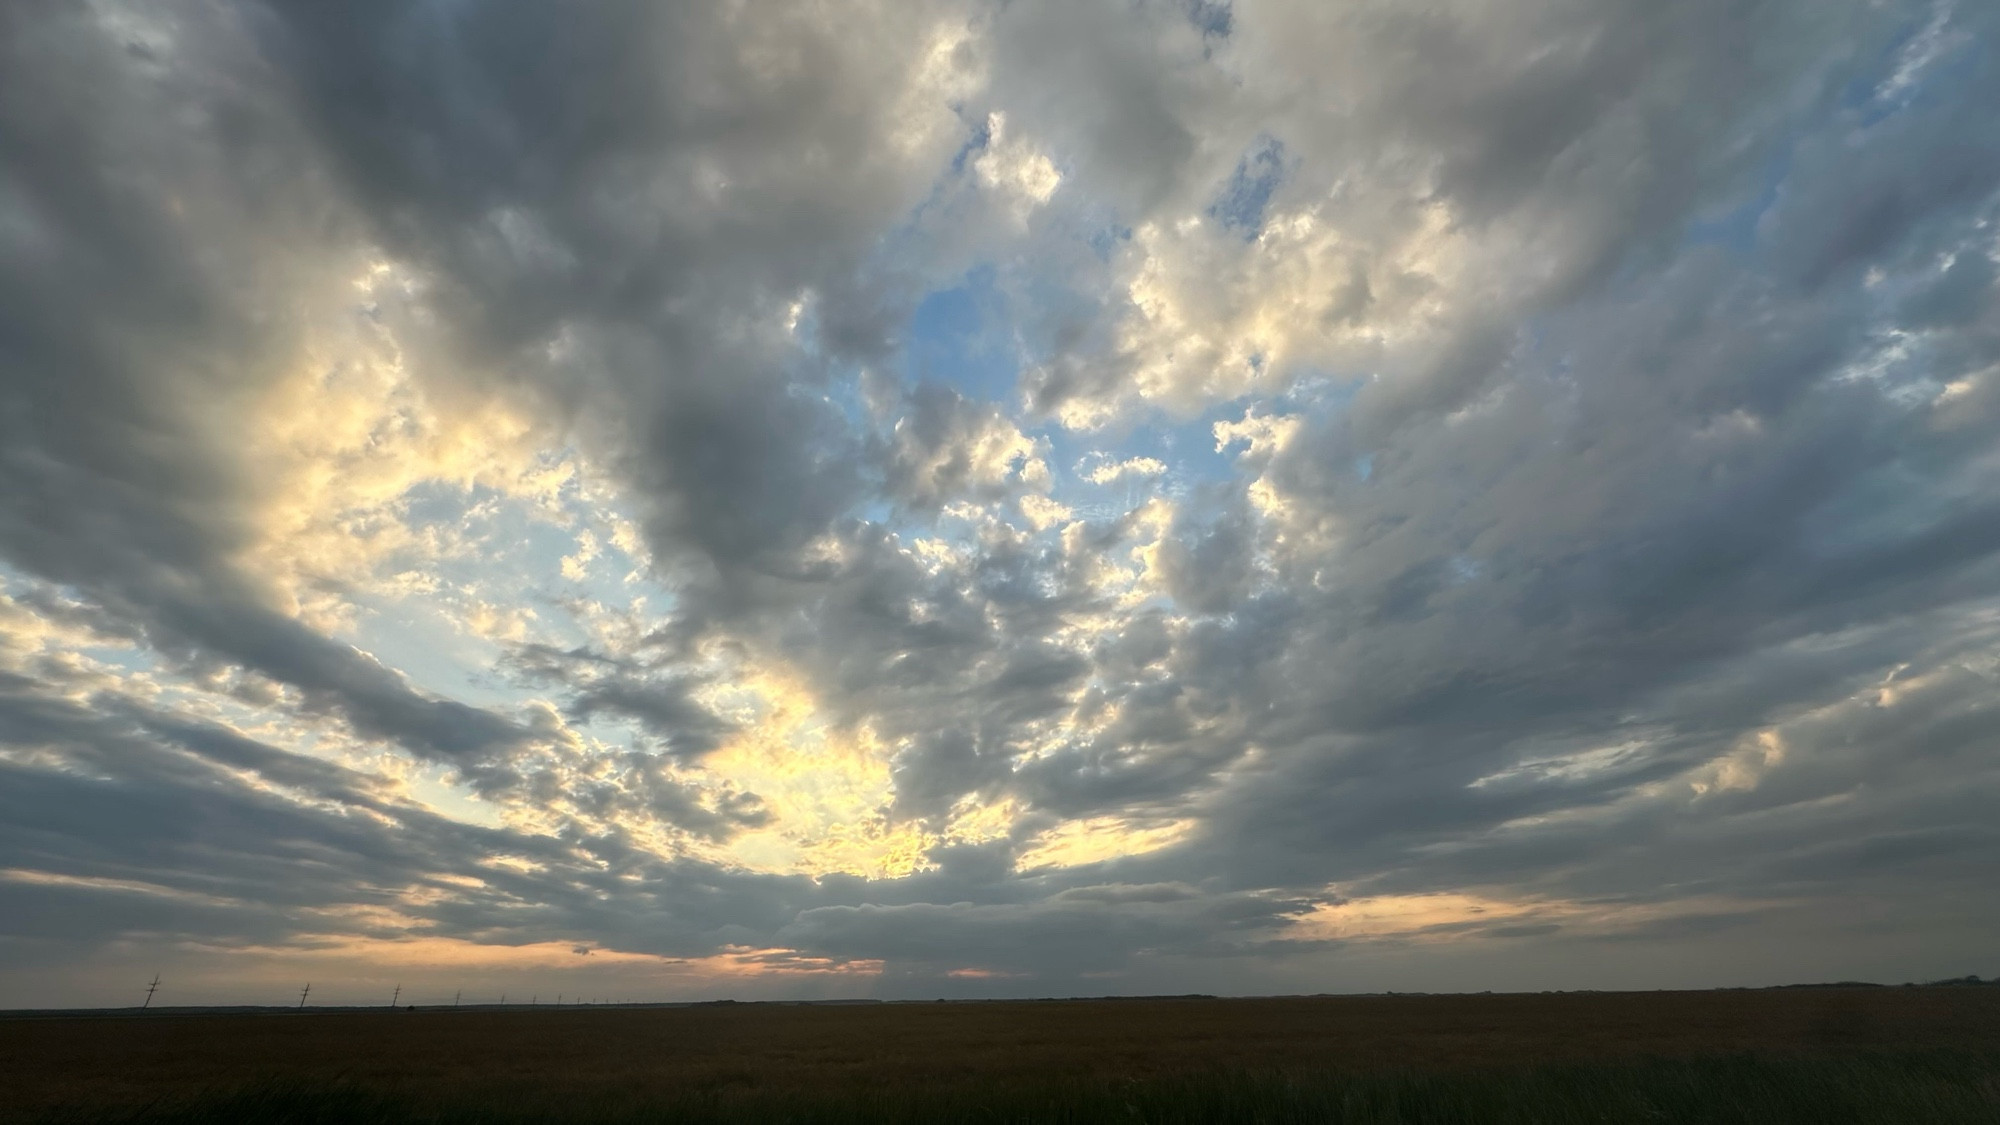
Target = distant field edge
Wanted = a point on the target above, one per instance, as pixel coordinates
(863, 1001)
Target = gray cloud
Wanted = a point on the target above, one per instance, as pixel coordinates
(1600, 523)
(161, 210)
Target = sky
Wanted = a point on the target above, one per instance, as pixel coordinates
(919, 498)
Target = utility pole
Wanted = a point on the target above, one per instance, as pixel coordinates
(302, 995)
(150, 989)
(455, 996)
(503, 999)
(395, 996)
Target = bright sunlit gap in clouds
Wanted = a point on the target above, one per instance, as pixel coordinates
(911, 499)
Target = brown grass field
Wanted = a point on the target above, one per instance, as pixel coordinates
(86, 1067)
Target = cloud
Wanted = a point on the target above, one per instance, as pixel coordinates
(121, 478)
(1105, 471)
(944, 448)
(483, 476)
(1015, 168)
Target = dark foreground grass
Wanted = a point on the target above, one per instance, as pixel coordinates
(1932, 1087)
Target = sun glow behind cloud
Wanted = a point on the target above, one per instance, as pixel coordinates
(827, 791)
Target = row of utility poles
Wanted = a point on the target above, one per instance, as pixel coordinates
(395, 996)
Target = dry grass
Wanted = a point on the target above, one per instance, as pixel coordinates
(528, 1058)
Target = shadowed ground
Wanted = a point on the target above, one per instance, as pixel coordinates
(531, 1060)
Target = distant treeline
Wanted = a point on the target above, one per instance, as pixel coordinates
(1950, 982)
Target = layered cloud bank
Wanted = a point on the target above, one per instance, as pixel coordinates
(639, 500)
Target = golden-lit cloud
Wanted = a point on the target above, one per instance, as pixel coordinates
(1097, 839)
(828, 791)
(1446, 917)
(339, 444)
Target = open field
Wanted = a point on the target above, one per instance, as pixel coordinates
(1919, 1054)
